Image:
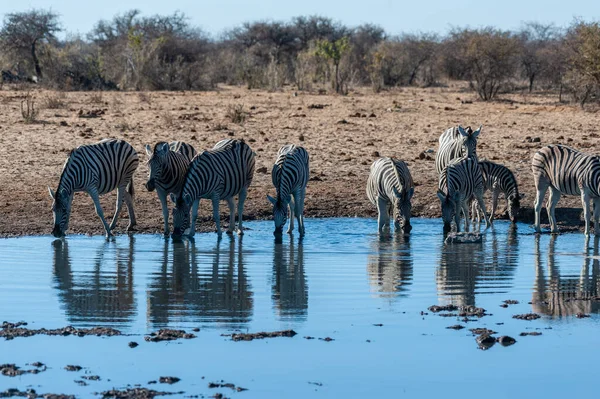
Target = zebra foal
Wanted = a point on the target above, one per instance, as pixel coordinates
(565, 170)
(390, 187)
(290, 175)
(454, 143)
(459, 181)
(167, 166)
(96, 169)
(498, 179)
(218, 174)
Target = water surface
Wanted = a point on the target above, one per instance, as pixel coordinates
(343, 281)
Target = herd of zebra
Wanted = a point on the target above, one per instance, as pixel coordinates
(177, 171)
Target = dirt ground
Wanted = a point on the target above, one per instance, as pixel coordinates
(343, 135)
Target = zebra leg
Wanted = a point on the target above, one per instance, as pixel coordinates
(585, 199)
(162, 196)
(195, 206)
(300, 213)
(474, 211)
(596, 216)
(96, 199)
(292, 207)
(481, 203)
(216, 216)
(541, 187)
(131, 211)
(551, 205)
(457, 211)
(120, 194)
(241, 200)
(465, 211)
(383, 217)
(495, 194)
(231, 204)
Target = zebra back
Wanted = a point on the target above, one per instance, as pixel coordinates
(223, 171)
(185, 149)
(290, 171)
(387, 175)
(496, 175)
(461, 179)
(103, 166)
(168, 165)
(456, 143)
(567, 169)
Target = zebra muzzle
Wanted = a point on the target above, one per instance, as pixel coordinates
(150, 186)
(57, 232)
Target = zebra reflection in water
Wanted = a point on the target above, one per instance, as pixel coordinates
(390, 266)
(185, 289)
(99, 296)
(559, 295)
(290, 290)
(468, 269)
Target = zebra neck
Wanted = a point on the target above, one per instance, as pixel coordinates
(510, 189)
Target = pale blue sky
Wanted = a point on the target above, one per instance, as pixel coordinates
(395, 17)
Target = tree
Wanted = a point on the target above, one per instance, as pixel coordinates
(334, 51)
(583, 40)
(23, 32)
(535, 39)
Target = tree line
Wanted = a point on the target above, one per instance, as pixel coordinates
(165, 52)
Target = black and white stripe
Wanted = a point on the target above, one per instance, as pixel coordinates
(96, 169)
(167, 165)
(458, 182)
(290, 175)
(499, 179)
(454, 143)
(390, 187)
(218, 174)
(566, 171)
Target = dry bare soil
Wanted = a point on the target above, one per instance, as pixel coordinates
(343, 135)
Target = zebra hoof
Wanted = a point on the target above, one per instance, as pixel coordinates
(240, 232)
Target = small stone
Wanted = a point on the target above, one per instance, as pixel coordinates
(455, 327)
(133, 344)
(72, 367)
(505, 340)
(485, 341)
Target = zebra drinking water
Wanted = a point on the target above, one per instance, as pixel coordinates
(566, 171)
(498, 179)
(218, 174)
(459, 181)
(96, 169)
(167, 165)
(390, 187)
(456, 142)
(290, 175)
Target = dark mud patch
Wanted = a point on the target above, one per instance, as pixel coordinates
(262, 335)
(223, 384)
(134, 393)
(532, 333)
(168, 335)
(169, 380)
(527, 316)
(13, 330)
(32, 394)
(12, 370)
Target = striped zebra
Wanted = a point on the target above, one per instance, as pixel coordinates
(96, 169)
(459, 181)
(290, 175)
(218, 174)
(498, 179)
(390, 187)
(167, 165)
(456, 142)
(566, 171)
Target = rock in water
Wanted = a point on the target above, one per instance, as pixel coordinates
(463, 238)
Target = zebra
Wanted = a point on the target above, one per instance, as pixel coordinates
(456, 142)
(498, 179)
(290, 175)
(566, 171)
(96, 169)
(460, 180)
(167, 165)
(390, 187)
(218, 174)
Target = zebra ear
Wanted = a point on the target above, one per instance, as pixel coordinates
(441, 195)
(51, 193)
(397, 193)
(462, 131)
(148, 150)
(173, 198)
(476, 132)
(410, 192)
(187, 199)
(271, 199)
(164, 147)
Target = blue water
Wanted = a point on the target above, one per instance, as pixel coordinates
(341, 281)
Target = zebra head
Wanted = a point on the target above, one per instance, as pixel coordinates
(156, 161)
(448, 207)
(514, 204)
(61, 209)
(181, 216)
(402, 208)
(280, 214)
(468, 138)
